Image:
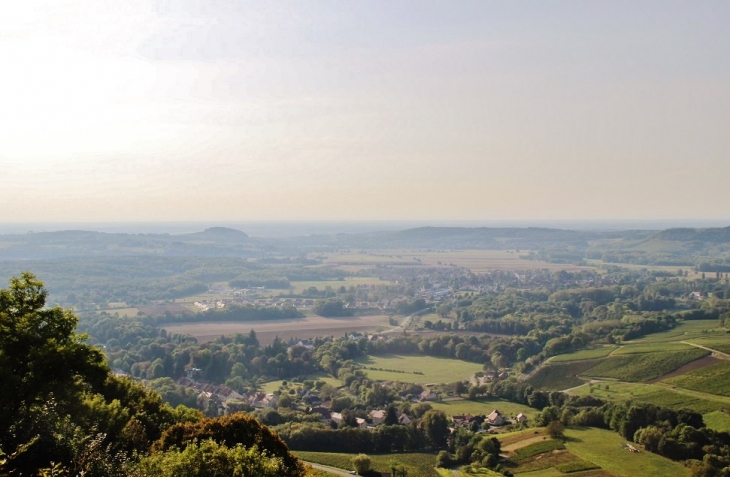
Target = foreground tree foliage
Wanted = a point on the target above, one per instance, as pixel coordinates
(239, 429)
(63, 413)
(210, 459)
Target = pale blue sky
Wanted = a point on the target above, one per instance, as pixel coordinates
(227, 110)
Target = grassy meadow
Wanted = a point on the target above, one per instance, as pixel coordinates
(583, 452)
(639, 367)
(459, 407)
(712, 379)
(581, 355)
(417, 369)
(417, 464)
(659, 394)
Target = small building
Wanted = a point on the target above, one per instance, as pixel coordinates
(428, 395)
(495, 418)
(378, 417)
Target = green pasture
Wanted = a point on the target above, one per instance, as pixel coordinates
(272, 386)
(718, 343)
(605, 449)
(684, 331)
(418, 464)
(713, 379)
(408, 369)
(460, 407)
(717, 420)
(640, 348)
(475, 260)
(645, 366)
(561, 375)
(593, 353)
(659, 394)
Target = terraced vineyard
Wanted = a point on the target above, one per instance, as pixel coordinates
(655, 394)
(644, 366)
(712, 379)
(581, 355)
(561, 375)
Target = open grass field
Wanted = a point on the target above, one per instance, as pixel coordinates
(585, 452)
(485, 406)
(638, 348)
(272, 386)
(712, 379)
(475, 260)
(561, 375)
(717, 420)
(266, 330)
(417, 369)
(594, 353)
(605, 449)
(718, 343)
(684, 331)
(659, 394)
(643, 367)
(417, 464)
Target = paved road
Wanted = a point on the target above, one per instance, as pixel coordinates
(331, 470)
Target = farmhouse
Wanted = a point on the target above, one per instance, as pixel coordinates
(495, 418)
(428, 395)
(378, 417)
(262, 400)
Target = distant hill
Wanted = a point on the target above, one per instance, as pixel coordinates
(717, 235)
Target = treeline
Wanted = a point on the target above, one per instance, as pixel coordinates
(244, 312)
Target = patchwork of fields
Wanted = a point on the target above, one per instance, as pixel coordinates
(266, 330)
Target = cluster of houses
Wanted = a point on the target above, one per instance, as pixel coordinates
(493, 419)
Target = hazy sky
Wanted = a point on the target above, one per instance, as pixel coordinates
(141, 110)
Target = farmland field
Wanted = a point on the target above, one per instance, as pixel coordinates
(266, 330)
(594, 353)
(475, 260)
(559, 376)
(684, 331)
(417, 464)
(661, 395)
(712, 379)
(465, 406)
(604, 448)
(643, 367)
(719, 343)
(717, 420)
(417, 369)
(272, 386)
(592, 452)
(636, 348)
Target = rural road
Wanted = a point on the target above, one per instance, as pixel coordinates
(326, 468)
(717, 354)
(405, 323)
(592, 381)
